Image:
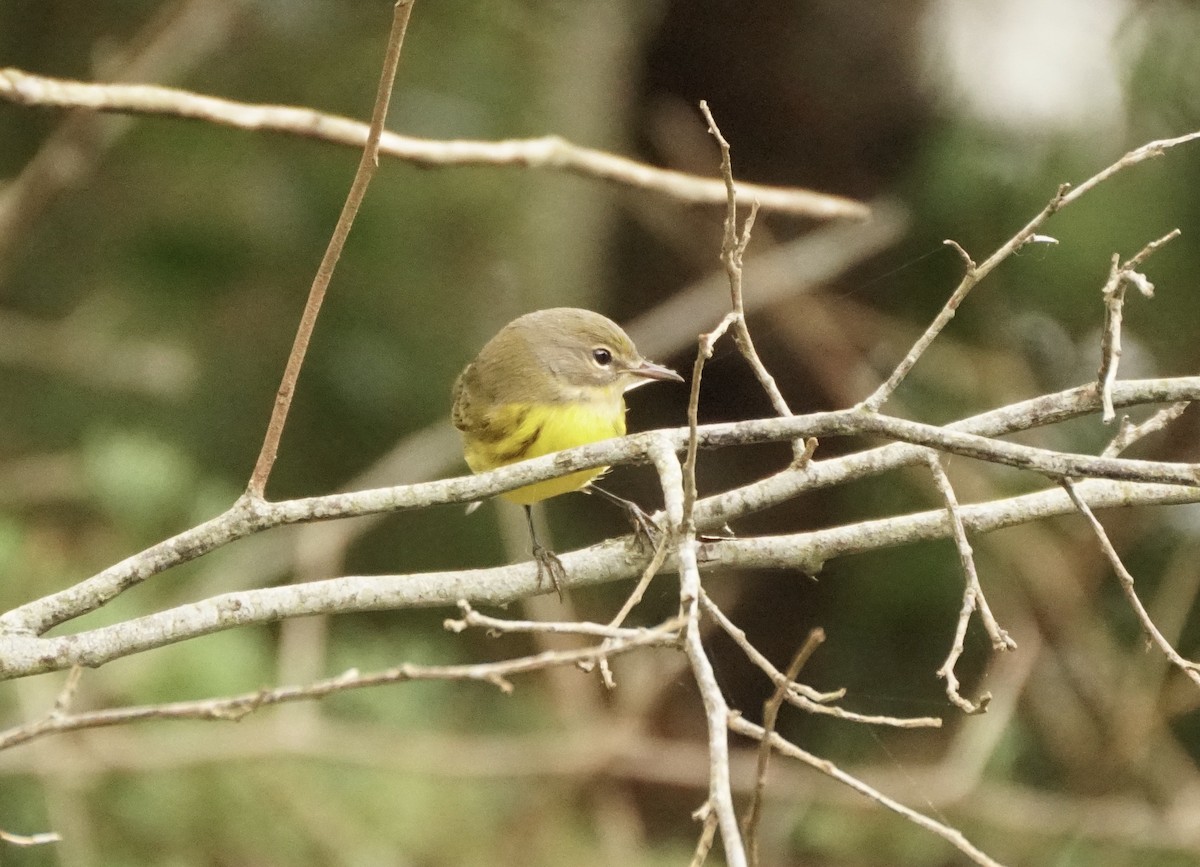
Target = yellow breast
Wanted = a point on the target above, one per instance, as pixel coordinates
(517, 432)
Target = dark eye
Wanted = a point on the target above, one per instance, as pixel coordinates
(602, 356)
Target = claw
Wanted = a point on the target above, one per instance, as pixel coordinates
(547, 561)
(646, 533)
(549, 565)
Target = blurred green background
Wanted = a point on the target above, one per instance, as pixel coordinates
(152, 272)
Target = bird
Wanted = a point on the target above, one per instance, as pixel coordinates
(550, 380)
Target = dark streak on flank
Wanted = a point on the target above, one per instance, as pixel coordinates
(521, 448)
(497, 429)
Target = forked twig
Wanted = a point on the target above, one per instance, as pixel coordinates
(787, 748)
(973, 598)
(805, 697)
(1120, 276)
(1129, 433)
(733, 250)
(1028, 234)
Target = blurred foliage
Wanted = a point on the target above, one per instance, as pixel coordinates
(185, 250)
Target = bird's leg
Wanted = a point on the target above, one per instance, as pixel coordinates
(547, 561)
(645, 531)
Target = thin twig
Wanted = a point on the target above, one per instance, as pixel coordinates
(733, 251)
(308, 319)
(1110, 340)
(472, 618)
(787, 748)
(66, 695)
(1153, 634)
(770, 713)
(237, 707)
(29, 839)
(703, 353)
(661, 550)
(755, 655)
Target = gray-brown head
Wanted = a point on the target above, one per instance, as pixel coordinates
(557, 355)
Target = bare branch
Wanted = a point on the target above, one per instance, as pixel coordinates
(250, 515)
(1048, 409)
(549, 152)
(22, 653)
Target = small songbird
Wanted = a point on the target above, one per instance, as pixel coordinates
(549, 380)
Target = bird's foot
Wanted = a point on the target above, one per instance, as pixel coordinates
(646, 532)
(550, 566)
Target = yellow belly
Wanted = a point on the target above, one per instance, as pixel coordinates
(519, 432)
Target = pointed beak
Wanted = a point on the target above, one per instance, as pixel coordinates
(650, 370)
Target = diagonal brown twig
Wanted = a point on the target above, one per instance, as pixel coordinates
(308, 319)
(770, 713)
